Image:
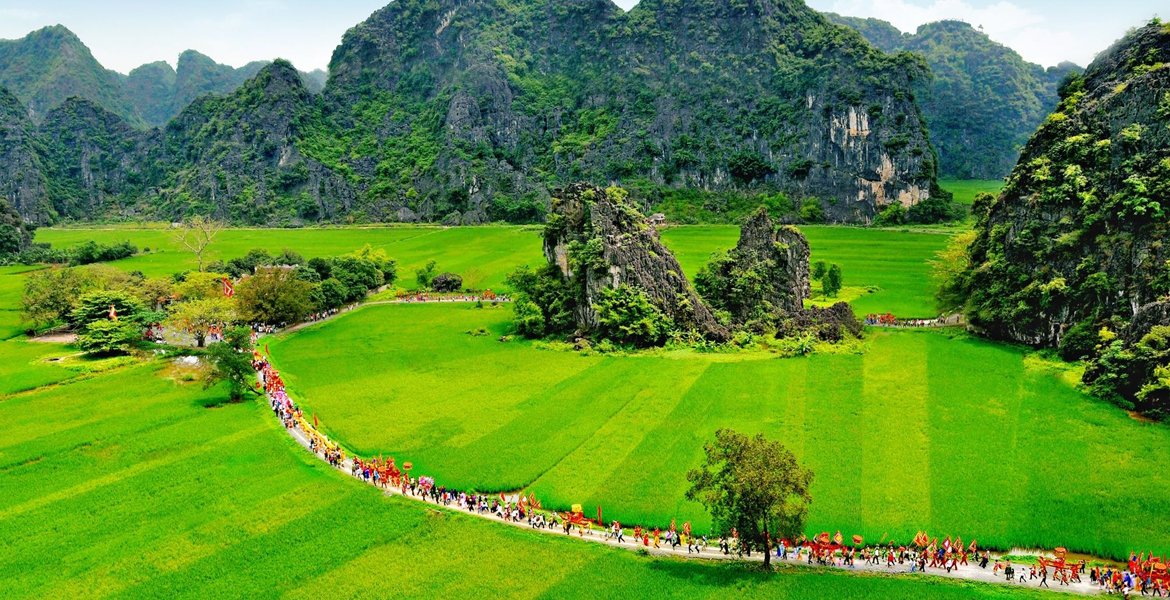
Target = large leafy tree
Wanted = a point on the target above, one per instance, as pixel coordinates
(197, 316)
(231, 361)
(752, 485)
(274, 295)
(96, 305)
(109, 336)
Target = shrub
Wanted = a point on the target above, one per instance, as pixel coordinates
(626, 316)
(811, 211)
(447, 282)
(109, 336)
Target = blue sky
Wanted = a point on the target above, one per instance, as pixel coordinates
(126, 33)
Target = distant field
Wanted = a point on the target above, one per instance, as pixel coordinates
(11, 289)
(894, 261)
(965, 189)
(113, 495)
(921, 432)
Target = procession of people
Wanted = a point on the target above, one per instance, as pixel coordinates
(1144, 574)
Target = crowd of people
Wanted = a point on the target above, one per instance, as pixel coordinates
(889, 320)
(485, 296)
(1142, 575)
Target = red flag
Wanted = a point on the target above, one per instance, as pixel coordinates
(266, 350)
(672, 526)
(837, 539)
(113, 313)
(687, 528)
(972, 547)
(314, 419)
(228, 290)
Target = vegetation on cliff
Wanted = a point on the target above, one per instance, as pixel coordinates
(983, 100)
(1072, 255)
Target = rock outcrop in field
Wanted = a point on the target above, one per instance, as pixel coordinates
(597, 238)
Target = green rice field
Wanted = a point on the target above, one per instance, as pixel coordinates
(892, 262)
(131, 485)
(954, 436)
(965, 189)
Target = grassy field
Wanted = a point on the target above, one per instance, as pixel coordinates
(953, 436)
(107, 494)
(965, 190)
(11, 288)
(894, 262)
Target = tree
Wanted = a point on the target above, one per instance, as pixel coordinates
(49, 294)
(819, 269)
(330, 293)
(831, 284)
(197, 316)
(200, 286)
(949, 271)
(231, 361)
(197, 233)
(752, 485)
(95, 306)
(154, 292)
(425, 275)
(108, 335)
(473, 278)
(748, 166)
(274, 295)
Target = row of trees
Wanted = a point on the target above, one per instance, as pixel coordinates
(110, 309)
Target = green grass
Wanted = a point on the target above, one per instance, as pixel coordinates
(11, 289)
(893, 261)
(955, 436)
(965, 189)
(23, 366)
(116, 495)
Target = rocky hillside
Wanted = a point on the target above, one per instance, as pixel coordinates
(1078, 233)
(465, 111)
(470, 110)
(984, 100)
(238, 156)
(22, 178)
(49, 65)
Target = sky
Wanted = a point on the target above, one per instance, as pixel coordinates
(126, 33)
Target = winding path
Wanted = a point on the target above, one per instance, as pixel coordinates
(969, 572)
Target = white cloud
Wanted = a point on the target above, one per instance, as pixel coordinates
(1022, 29)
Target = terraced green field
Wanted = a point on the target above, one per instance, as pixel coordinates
(125, 486)
(953, 436)
(892, 261)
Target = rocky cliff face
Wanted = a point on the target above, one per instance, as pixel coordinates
(22, 179)
(983, 101)
(500, 100)
(597, 237)
(1079, 234)
(239, 156)
(785, 253)
(98, 165)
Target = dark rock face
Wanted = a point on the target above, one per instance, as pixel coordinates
(623, 249)
(786, 252)
(1080, 231)
(22, 179)
(672, 93)
(830, 324)
(96, 161)
(1146, 318)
